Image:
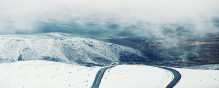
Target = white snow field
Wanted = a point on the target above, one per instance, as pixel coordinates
(193, 78)
(45, 74)
(136, 76)
(139, 76)
(61, 47)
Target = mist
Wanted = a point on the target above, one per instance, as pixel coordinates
(168, 20)
(100, 16)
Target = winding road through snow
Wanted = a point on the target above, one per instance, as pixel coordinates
(177, 77)
(99, 76)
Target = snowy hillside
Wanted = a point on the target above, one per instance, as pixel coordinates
(61, 47)
(45, 74)
(206, 67)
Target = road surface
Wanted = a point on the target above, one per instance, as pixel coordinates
(99, 76)
(177, 77)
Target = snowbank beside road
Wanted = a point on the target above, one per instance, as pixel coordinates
(206, 67)
(140, 76)
(45, 74)
(198, 78)
(136, 76)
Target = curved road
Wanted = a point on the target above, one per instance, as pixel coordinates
(99, 76)
(177, 77)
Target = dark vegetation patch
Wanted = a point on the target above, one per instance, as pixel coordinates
(130, 58)
(88, 64)
(190, 51)
(47, 58)
(101, 60)
(20, 58)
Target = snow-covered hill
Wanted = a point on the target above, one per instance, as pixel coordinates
(45, 74)
(61, 47)
(205, 67)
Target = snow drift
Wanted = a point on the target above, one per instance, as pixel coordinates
(45, 74)
(66, 48)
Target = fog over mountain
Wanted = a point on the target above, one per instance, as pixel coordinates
(169, 21)
(111, 16)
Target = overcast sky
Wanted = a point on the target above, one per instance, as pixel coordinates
(25, 15)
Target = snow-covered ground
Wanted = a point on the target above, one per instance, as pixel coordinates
(205, 67)
(136, 76)
(62, 47)
(193, 78)
(45, 74)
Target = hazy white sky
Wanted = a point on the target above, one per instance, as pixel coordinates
(22, 14)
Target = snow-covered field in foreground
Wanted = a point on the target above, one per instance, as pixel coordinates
(192, 78)
(136, 76)
(45, 74)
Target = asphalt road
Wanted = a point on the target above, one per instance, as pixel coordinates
(177, 77)
(99, 76)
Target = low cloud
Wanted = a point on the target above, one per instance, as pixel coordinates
(168, 20)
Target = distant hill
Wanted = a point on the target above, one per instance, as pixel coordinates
(60, 47)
